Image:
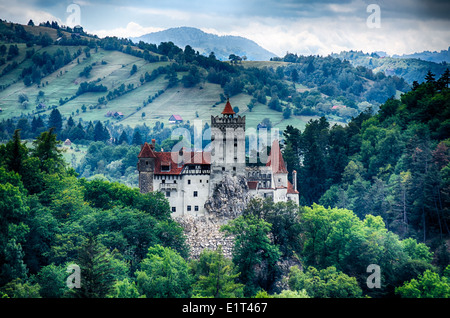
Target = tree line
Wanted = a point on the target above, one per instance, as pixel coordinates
(392, 164)
(127, 245)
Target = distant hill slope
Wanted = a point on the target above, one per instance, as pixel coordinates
(411, 69)
(205, 43)
(126, 85)
(437, 57)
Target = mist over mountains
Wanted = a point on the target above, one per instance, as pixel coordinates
(205, 43)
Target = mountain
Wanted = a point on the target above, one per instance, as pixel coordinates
(205, 43)
(437, 57)
(411, 69)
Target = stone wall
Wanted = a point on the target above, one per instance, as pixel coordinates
(229, 198)
(203, 232)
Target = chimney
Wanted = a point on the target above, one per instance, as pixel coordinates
(153, 144)
(294, 179)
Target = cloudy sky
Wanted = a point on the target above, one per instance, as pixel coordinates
(296, 26)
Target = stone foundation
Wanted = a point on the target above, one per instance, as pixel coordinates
(203, 232)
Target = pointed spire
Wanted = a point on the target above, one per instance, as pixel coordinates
(276, 159)
(228, 110)
(146, 152)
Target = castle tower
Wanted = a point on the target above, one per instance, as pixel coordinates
(227, 145)
(146, 167)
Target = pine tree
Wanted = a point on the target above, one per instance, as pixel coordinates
(96, 270)
(55, 120)
(100, 132)
(16, 152)
(123, 138)
(70, 122)
(46, 150)
(429, 78)
(137, 138)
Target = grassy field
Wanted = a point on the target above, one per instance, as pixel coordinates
(112, 69)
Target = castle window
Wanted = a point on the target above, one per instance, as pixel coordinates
(195, 194)
(189, 208)
(189, 181)
(146, 162)
(167, 193)
(200, 180)
(165, 168)
(234, 168)
(223, 168)
(174, 209)
(163, 181)
(196, 208)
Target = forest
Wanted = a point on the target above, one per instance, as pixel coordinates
(373, 192)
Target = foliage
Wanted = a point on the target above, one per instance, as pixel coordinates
(325, 283)
(428, 285)
(164, 274)
(253, 253)
(338, 238)
(390, 164)
(215, 276)
(61, 219)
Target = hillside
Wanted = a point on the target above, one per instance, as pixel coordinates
(205, 43)
(411, 68)
(126, 85)
(437, 57)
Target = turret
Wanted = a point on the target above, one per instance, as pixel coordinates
(227, 144)
(146, 167)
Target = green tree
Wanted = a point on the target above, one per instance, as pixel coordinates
(284, 219)
(164, 274)
(55, 120)
(100, 132)
(216, 276)
(123, 138)
(47, 151)
(133, 69)
(96, 270)
(325, 283)
(52, 280)
(428, 285)
(14, 153)
(125, 289)
(253, 252)
(20, 288)
(137, 138)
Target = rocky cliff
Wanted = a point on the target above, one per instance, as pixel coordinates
(226, 202)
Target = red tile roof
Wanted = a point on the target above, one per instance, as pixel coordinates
(228, 110)
(176, 117)
(276, 159)
(171, 159)
(290, 189)
(146, 152)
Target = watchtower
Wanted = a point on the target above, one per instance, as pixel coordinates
(146, 167)
(227, 145)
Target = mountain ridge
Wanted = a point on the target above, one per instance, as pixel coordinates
(205, 43)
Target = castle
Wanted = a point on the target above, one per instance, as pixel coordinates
(188, 178)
